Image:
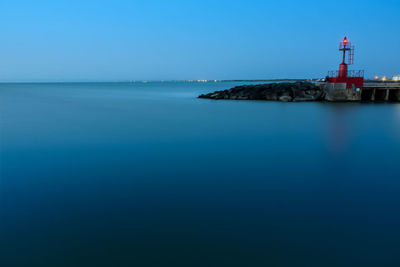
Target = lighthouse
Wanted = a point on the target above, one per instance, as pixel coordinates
(345, 84)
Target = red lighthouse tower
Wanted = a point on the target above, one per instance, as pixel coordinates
(345, 46)
(352, 79)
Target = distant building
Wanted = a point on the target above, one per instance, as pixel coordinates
(396, 78)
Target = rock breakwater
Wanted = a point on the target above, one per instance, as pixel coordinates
(285, 92)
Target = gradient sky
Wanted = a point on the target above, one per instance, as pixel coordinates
(104, 40)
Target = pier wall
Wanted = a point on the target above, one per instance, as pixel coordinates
(381, 92)
(370, 92)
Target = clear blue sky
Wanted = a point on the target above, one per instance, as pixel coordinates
(111, 40)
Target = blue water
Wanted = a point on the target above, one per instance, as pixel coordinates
(146, 174)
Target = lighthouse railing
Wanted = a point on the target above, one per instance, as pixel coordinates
(350, 73)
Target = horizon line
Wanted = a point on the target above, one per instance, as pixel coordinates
(166, 81)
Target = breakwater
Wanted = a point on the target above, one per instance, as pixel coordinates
(306, 91)
(285, 92)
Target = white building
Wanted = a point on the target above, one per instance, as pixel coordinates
(396, 78)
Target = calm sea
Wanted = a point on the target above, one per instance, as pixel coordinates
(146, 174)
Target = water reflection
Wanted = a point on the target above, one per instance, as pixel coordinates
(338, 128)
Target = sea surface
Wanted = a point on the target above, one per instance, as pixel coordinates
(147, 174)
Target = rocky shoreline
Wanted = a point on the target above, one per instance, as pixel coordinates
(285, 92)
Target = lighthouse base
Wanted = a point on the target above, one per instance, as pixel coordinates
(341, 92)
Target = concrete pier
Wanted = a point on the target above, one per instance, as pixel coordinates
(369, 92)
(380, 92)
